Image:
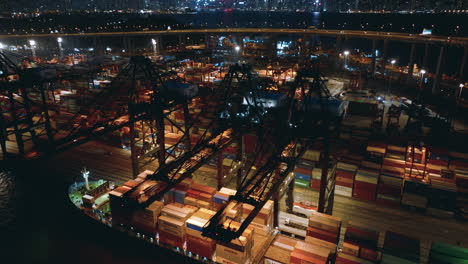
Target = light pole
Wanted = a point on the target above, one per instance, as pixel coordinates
(390, 80)
(59, 41)
(237, 49)
(155, 48)
(421, 83)
(32, 44)
(461, 90)
(346, 54)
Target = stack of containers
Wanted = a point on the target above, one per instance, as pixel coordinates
(445, 253)
(415, 194)
(304, 252)
(221, 198)
(303, 173)
(459, 164)
(442, 197)
(288, 250)
(309, 161)
(345, 173)
(170, 140)
(312, 155)
(400, 249)
(391, 176)
(250, 142)
(461, 180)
(121, 214)
(365, 184)
(200, 196)
(172, 224)
(196, 243)
(443, 190)
(394, 161)
(238, 251)
(375, 153)
(437, 163)
(389, 189)
(264, 219)
(316, 178)
(145, 220)
(361, 242)
(280, 250)
(324, 227)
(178, 193)
(229, 160)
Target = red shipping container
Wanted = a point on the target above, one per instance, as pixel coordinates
(389, 190)
(364, 190)
(341, 260)
(303, 171)
(322, 234)
(344, 182)
(192, 193)
(171, 239)
(362, 233)
(437, 162)
(345, 174)
(369, 254)
(459, 163)
(250, 142)
(203, 247)
(300, 258)
(315, 184)
(396, 164)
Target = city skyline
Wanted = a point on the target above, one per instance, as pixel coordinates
(285, 5)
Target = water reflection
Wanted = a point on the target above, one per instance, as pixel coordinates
(7, 198)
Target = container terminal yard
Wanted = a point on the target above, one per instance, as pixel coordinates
(249, 145)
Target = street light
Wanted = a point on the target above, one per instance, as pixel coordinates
(237, 48)
(461, 89)
(421, 82)
(391, 76)
(32, 43)
(346, 54)
(2, 46)
(59, 41)
(155, 48)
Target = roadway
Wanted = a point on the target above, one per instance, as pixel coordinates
(393, 36)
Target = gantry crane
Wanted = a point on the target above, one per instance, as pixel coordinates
(307, 113)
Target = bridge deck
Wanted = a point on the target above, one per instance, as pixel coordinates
(395, 36)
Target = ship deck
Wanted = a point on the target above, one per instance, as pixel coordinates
(112, 163)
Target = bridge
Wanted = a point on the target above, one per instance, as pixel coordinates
(384, 39)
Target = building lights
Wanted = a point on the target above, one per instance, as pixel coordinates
(85, 174)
